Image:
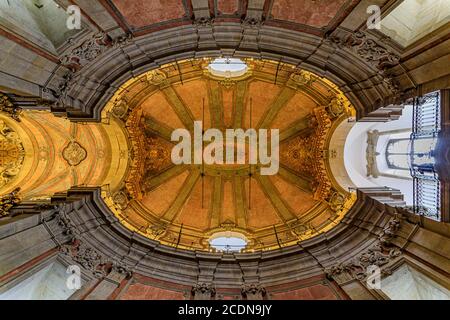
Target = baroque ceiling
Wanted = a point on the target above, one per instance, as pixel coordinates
(184, 205)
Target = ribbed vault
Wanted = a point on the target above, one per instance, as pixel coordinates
(183, 205)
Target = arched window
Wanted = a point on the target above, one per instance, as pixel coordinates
(398, 154)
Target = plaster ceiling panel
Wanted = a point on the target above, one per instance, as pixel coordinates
(298, 200)
(261, 212)
(296, 109)
(193, 214)
(263, 95)
(159, 200)
(141, 13)
(159, 109)
(312, 13)
(192, 94)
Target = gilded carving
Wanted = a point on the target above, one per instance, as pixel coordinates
(86, 256)
(303, 78)
(121, 199)
(89, 49)
(7, 106)
(8, 201)
(12, 154)
(381, 254)
(74, 153)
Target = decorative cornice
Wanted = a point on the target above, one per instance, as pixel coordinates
(87, 51)
(84, 254)
(380, 255)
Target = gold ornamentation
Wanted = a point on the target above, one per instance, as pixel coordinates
(336, 107)
(157, 77)
(7, 106)
(8, 201)
(302, 78)
(120, 109)
(74, 153)
(121, 199)
(12, 154)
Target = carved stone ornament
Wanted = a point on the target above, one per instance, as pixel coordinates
(379, 255)
(203, 22)
(7, 106)
(86, 256)
(89, 49)
(358, 268)
(252, 22)
(8, 201)
(157, 77)
(253, 289)
(82, 253)
(367, 49)
(372, 154)
(12, 154)
(74, 153)
(371, 52)
(203, 289)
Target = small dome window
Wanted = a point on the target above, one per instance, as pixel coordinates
(228, 67)
(228, 241)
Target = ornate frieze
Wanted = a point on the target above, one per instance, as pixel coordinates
(371, 52)
(252, 22)
(87, 51)
(7, 106)
(86, 256)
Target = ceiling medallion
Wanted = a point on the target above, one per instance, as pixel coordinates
(74, 153)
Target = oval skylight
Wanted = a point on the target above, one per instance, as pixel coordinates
(228, 241)
(228, 67)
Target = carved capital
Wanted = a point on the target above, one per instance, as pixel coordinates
(253, 291)
(203, 290)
